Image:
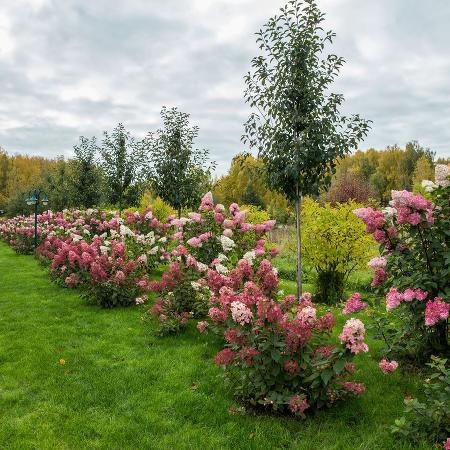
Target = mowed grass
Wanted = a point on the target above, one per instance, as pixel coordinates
(121, 387)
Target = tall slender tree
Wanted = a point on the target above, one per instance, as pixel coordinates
(296, 124)
(179, 173)
(122, 160)
(86, 177)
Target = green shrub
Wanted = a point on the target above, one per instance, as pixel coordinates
(335, 244)
(430, 418)
(255, 214)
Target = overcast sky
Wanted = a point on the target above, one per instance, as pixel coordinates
(78, 67)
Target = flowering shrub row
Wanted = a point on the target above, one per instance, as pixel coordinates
(112, 257)
(212, 240)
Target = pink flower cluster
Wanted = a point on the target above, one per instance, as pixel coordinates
(354, 388)
(388, 366)
(241, 313)
(394, 298)
(354, 304)
(411, 207)
(352, 336)
(435, 311)
(297, 404)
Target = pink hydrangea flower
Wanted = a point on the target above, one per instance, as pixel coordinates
(435, 311)
(224, 357)
(119, 277)
(353, 335)
(207, 202)
(297, 404)
(393, 299)
(377, 262)
(379, 277)
(354, 388)
(195, 217)
(446, 445)
(307, 316)
(354, 304)
(194, 242)
(240, 313)
(217, 315)
(291, 367)
(387, 366)
(202, 326)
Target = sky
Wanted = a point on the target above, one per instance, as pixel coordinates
(78, 67)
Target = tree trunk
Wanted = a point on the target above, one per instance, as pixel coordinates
(298, 208)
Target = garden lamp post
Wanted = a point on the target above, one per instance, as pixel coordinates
(36, 197)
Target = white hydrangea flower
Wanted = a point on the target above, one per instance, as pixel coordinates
(428, 185)
(104, 249)
(202, 267)
(222, 269)
(163, 240)
(221, 257)
(195, 285)
(125, 231)
(389, 212)
(441, 172)
(250, 257)
(227, 243)
(153, 251)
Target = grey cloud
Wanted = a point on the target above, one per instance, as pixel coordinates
(79, 67)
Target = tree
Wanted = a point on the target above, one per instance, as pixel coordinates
(297, 127)
(424, 170)
(86, 176)
(56, 184)
(122, 160)
(179, 173)
(349, 186)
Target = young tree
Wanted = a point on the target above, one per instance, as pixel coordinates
(86, 176)
(424, 170)
(122, 160)
(297, 127)
(179, 173)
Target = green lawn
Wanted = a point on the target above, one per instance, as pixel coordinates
(121, 387)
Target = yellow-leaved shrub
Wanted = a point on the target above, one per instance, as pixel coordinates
(335, 243)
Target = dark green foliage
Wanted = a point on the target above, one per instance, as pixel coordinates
(430, 418)
(122, 160)
(297, 128)
(179, 173)
(86, 179)
(330, 286)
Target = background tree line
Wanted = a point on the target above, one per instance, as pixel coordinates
(114, 172)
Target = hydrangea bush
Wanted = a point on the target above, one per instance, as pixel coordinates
(279, 353)
(413, 270)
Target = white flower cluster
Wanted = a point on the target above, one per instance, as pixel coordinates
(441, 174)
(221, 269)
(250, 257)
(227, 243)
